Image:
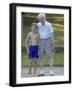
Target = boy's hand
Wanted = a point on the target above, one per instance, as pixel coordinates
(27, 50)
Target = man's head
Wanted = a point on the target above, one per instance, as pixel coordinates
(41, 17)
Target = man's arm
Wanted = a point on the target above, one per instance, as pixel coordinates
(52, 35)
(38, 38)
(52, 40)
(51, 28)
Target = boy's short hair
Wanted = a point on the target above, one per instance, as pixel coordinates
(34, 24)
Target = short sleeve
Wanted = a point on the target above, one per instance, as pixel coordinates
(50, 28)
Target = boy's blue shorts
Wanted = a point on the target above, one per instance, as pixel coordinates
(33, 52)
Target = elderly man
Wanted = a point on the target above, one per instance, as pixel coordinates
(45, 30)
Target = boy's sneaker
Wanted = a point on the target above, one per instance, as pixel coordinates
(29, 74)
(51, 73)
(35, 75)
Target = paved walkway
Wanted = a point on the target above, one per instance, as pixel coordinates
(56, 70)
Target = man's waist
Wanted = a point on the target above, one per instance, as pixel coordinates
(45, 38)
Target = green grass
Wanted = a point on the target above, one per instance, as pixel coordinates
(58, 59)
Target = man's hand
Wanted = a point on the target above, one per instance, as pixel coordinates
(38, 52)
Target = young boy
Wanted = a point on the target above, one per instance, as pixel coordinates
(31, 43)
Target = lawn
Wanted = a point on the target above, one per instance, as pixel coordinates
(58, 59)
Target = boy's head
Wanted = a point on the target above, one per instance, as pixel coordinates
(34, 27)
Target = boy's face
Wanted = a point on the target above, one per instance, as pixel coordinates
(33, 28)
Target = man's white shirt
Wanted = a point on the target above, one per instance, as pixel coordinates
(45, 30)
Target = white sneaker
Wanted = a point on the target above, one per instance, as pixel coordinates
(35, 75)
(41, 73)
(29, 75)
(51, 72)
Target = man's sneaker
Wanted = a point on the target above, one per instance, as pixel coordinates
(51, 73)
(41, 73)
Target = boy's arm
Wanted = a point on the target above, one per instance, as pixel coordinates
(27, 41)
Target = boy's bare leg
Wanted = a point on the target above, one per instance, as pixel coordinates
(30, 66)
(35, 65)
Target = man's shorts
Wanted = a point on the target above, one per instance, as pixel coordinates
(33, 52)
(45, 45)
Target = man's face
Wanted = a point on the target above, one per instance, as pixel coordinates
(42, 20)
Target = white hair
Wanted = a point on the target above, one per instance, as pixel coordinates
(41, 15)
